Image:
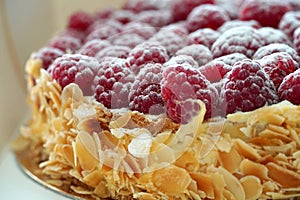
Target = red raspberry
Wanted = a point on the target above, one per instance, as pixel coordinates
(155, 18)
(80, 35)
(245, 40)
(181, 84)
(74, 68)
(289, 23)
(236, 23)
(123, 16)
(200, 53)
(181, 59)
(127, 39)
(215, 71)
(142, 29)
(271, 35)
(140, 5)
(232, 58)
(107, 23)
(146, 52)
(295, 4)
(276, 47)
(113, 51)
(47, 55)
(247, 87)
(290, 88)
(206, 16)
(296, 40)
(80, 21)
(145, 94)
(205, 36)
(231, 7)
(65, 43)
(267, 13)
(172, 41)
(277, 66)
(182, 8)
(105, 13)
(92, 47)
(103, 30)
(178, 28)
(112, 83)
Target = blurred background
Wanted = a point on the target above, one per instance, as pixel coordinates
(25, 27)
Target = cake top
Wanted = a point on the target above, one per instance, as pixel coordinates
(152, 57)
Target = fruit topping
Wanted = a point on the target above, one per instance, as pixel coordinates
(145, 94)
(92, 47)
(74, 68)
(204, 36)
(181, 84)
(290, 88)
(147, 52)
(113, 51)
(247, 87)
(47, 55)
(80, 21)
(112, 83)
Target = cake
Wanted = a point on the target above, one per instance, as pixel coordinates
(179, 99)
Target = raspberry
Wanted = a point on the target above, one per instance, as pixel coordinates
(92, 47)
(182, 8)
(290, 88)
(231, 7)
(172, 41)
(105, 13)
(267, 13)
(155, 18)
(74, 68)
(206, 16)
(244, 39)
(289, 23)
(295, 4)
(103, 31)
(80, 35)
(112, 83)
(113, 51)
(181, 59)
(231, 59)
(271, 35)
(276, 47)
(277, 66)
(215, 71)
(127, 39)
(142, 29)
(80, 20)
(236, 23)
(200, 53)
(123, 16)
(107, 23)
(247, 87)
(145, 94)
(178, 28)
(147, 52)
(205, 36)
(65, 43)
(47, 55)
(140, 5)
(181, 84)
(296, 40)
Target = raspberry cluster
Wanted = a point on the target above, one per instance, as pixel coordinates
(159, 57)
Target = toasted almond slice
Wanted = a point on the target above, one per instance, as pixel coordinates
(101, 190)
(204, 183)
(86, 160)
(121, 121)
(249, 167)
(283, 176)
(88, 142)
(252, 187)
(272, 134)
(232, 183)
(246, 150)
(278, 129)
(231, 160)
(67, 151)
(171, 180)
(219, 185)
(94, 178)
